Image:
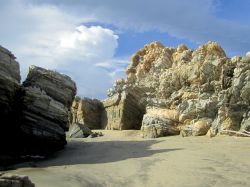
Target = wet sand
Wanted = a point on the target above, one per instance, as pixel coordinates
(125, 159)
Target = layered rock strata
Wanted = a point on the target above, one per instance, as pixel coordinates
(122, 112)
(87, 112)
(159, 122)
(46, 99)
(35, 115)
(203, 88)
(58, 86)
(9, 86)
(78, 130)
(8, 180)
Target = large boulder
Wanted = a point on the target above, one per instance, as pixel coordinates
(58, 86)
(158, 122)
(122, 112)
(88, 112)
(36, 113)
(201, 127)
(44, 121)
(9, 180)
(46, 98)
(155, 126)
(78, 130)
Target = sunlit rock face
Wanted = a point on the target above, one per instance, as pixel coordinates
(203, 88)
(87, 112)
(122, 112)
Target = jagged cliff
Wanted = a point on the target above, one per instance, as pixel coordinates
(183, 90)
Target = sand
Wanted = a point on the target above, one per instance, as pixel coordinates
(125, 159)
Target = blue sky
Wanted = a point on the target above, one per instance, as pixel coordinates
(92, 40)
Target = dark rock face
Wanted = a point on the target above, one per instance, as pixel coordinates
(88, 112)
(8, 180)
(9, 86)
(36, 113)
(45, 112)
(44, 121)
(9, 80)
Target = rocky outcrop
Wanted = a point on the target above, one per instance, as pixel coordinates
(35, 115)
(46, 112)
(8, 180)
(122, 112)
(58, 86)
(9, 86)
(88, 112)
(203, 88)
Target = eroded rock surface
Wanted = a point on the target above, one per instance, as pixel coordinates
(78, 130)
(9, 80)
(35, 115)
(203, 88)
(9, 86)
(8, 180)
(88, 112)
(122, 112)
(46, 99)
(58, 86)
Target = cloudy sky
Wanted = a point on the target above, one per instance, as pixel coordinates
(92, 40)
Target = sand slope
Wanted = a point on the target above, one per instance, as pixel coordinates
(125, 159)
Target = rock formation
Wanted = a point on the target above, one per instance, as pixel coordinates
(183, 90)
(159, 122)
(58, 86)
(35, 115)
(8, 180)
(9, 86)
(88, 112)
(46, 98)
(122, 112)
(78, 130)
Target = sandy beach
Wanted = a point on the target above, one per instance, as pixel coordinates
(123, 158)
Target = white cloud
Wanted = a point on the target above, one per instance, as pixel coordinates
(51, 33)
(117, 71)
(46, 36)
(194, 20)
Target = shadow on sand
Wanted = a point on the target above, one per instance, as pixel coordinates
(80, 152)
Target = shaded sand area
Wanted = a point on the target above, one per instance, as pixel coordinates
(125, 159)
